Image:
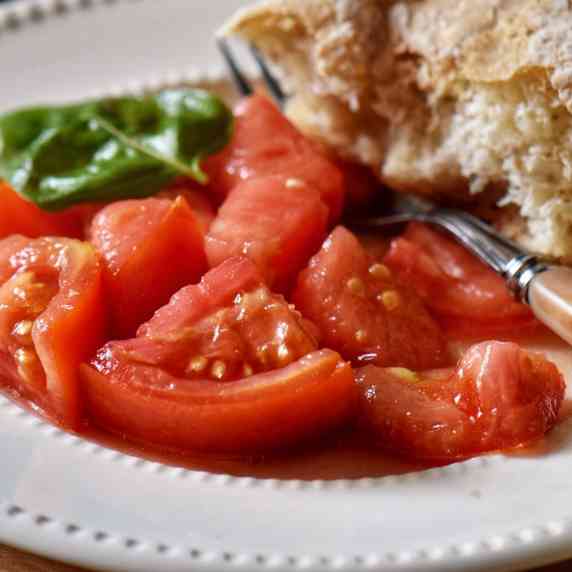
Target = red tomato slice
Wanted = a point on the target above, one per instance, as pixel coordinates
(361, 311)
(276, 225)
(460, 290)
(201, 374)
(18, 216)
(498, 397)
(266, 143)
(151, 247)
(52, 318)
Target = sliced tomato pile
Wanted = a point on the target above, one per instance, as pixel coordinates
(362, 312)
(460, 290)
(151, 248)
(499, 396)
(275, 224)
(52, 317)
(266, 143)
(231, 318)
(226, 366)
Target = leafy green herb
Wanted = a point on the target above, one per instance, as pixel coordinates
(111, 148)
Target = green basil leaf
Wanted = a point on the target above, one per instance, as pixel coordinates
(110, 149)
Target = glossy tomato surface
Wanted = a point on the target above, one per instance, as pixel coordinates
(461, 291)
(266, 143)
(19, 216)
(499, 396)
(151, 248)
(52, 318)
(362, 312)
(226, 366)
(276, 225)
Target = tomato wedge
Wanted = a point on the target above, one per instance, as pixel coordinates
(18, 216)
(461, 291)
(226, 366)
(362, 312)
(52, 318)
(266, 143)
(197, 198)
(499, 396)
(275, 224)
(151, 247)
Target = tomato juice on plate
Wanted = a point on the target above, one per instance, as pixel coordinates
(197, 298)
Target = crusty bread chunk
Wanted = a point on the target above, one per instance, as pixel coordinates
(449, 97)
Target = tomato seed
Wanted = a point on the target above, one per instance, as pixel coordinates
(380, 271)
(23, 329)
(198, 364)
(356, 286)
(390, 299)
(218, 369)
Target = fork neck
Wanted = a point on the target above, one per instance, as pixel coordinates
(519, 273)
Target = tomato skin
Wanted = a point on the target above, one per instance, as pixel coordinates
(263, 413)
(226, 366)
(19, 216)
(499, 396)
(362, 312)
(151, 248)
(53, 289)
(264, 144)
(466, 296)
(276, 226)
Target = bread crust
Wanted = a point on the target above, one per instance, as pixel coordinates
(449, 97)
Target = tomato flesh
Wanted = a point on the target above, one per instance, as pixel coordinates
(276, 225)
(151, 248)
(499, 396)
(265, 143)
(19, 216)
(197, 198)
(52, 318)
(466, 296)
(226, 366)
(362, 312)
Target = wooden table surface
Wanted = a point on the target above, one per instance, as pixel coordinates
(15, 561)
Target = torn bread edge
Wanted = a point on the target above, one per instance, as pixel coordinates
(467, 101)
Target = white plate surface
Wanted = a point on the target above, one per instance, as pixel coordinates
(73, 500)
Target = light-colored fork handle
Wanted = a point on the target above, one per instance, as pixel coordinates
(550, 298)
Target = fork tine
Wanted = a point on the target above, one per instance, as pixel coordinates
(268, 77)
(240, 80)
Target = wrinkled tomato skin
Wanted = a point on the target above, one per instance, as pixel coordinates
(19, 216)
(227, 366)
(52, 318)
(151, 248)
(266, 412)
(498, 397)
(264, 144)
(362, 312)
(276, 226)
(467, 297)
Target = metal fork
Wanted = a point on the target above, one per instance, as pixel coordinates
(545, 287)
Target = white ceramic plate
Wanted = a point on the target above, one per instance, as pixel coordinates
(70, 499)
